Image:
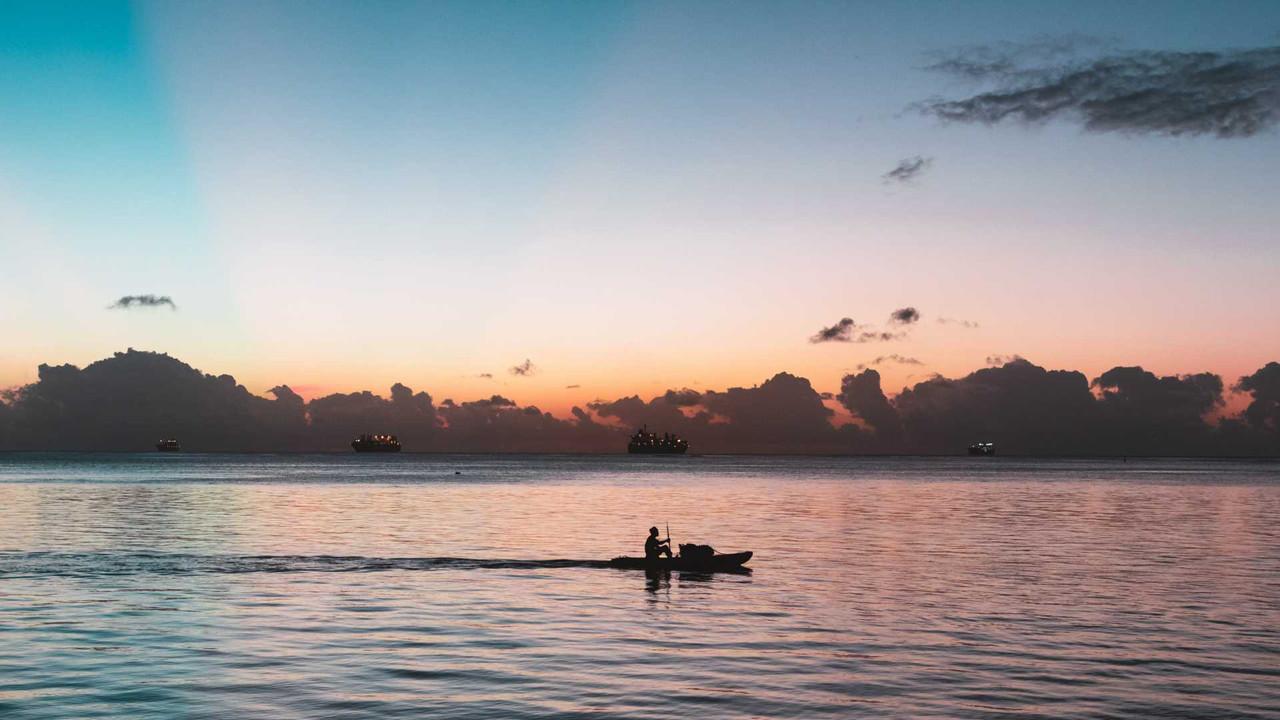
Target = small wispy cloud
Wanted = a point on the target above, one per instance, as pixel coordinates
(893, 358)
(907, 170)
(486, 376)
(524, 369)
(904, 316)
(840, 332)
(132, 301)
(1000, 360)
(847, 331)
(572, 387)
(957, 321)
(878, 336)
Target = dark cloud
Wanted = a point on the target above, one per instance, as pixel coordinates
(782, 414)
(893, 358)
(904, 316)
(847, 331)
(957, 321)
(335, 419)
(1026, 409)
(132, 301)
(1263, 412)
(1023, 408)
(907, 170)
(524, 369)
(683, 397)
(1152, 412)
(998, 360)
(1225, 94)
(840, 332)
(132, 399)
(486, 376)
(1009, 59)
(862, 396)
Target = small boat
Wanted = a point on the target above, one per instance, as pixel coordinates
(376, 443)
(168, 445)
(982, 449)
(719, 562)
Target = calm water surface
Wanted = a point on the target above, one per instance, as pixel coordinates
(220, 586)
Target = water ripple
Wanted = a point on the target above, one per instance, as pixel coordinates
(313, 586)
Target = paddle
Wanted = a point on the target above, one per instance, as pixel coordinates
(668, 536)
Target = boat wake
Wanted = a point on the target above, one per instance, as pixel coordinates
(94, 564)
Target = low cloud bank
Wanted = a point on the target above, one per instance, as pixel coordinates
(129, 401)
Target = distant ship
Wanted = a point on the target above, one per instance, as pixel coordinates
(647, 443)
(376, 443)
(984, 449)
(168, 445)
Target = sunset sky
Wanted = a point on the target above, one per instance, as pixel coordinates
(631, 196)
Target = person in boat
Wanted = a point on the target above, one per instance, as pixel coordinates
(655, 548)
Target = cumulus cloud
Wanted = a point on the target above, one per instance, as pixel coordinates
(862, 396)
(840, 332)
(524, 369)
(1153, 410)
(908, 169)
(1224, 94)
(892, 358)
(957, 321)
(683, 397)
(135, 301)
(904, 316)
(782, 414)
(1263, 412)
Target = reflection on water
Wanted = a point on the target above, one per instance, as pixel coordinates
(304, 586)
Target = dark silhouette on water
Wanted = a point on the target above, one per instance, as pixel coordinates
(168, 445)
(699, 558)
(376, 443)
(647, 443)
(654, 548)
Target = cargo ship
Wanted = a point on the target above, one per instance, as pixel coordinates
(647, 443)
(168, 445)
(983, 449)
(376, 443)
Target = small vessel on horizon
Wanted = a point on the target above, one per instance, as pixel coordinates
(647, 443)
(376, 443)
(168, 445)
(982, 449)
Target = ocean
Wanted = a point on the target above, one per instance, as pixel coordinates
(470, 586)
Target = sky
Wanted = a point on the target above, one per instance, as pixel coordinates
(630, 197)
